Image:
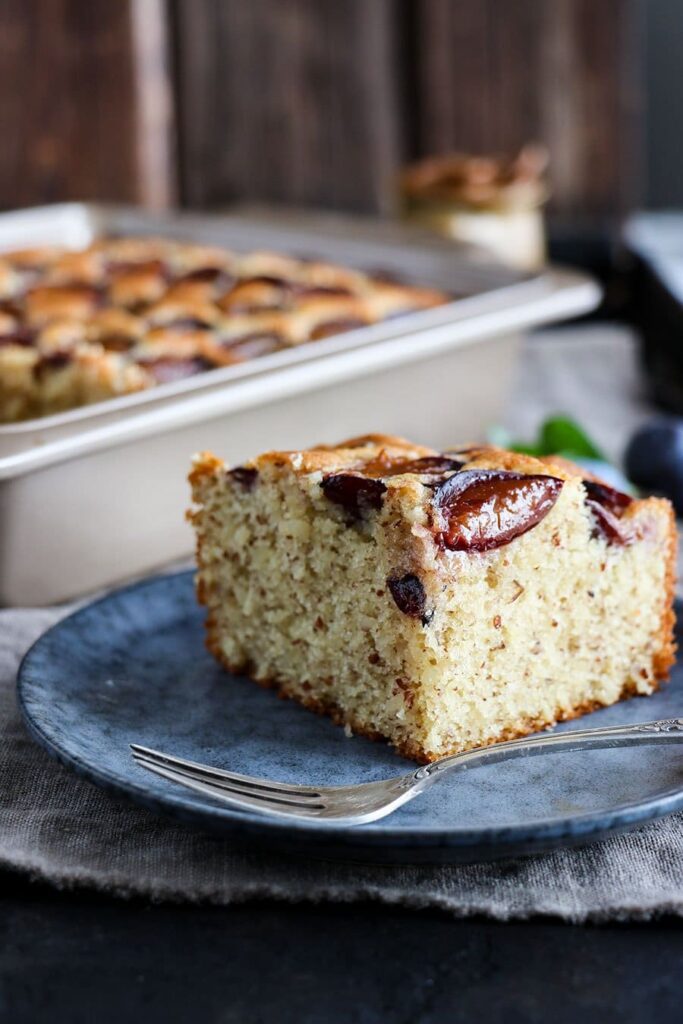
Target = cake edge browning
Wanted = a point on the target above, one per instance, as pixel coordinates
(413, 751)
(206, 465)
(665, 656)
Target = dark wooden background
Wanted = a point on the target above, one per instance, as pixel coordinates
(313, 102)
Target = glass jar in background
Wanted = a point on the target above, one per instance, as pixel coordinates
(489, 201)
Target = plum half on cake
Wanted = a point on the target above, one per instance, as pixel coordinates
(443, 601)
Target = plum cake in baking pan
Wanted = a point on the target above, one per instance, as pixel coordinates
(441, 600)
(126, 314)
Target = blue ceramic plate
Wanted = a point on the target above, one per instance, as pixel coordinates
(132, 668)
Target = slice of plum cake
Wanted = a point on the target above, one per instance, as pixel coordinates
(443, 601)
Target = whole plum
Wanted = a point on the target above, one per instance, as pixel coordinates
(654, 459)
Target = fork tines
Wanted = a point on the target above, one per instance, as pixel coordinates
(242, 791)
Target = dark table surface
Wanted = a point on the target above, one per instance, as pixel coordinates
(79, 957)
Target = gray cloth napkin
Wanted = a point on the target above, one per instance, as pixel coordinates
(56, 827)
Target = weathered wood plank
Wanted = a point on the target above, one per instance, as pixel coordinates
(312, 102)
(84, 109)
(293, 101)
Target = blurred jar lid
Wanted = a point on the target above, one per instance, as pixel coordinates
(479, 182)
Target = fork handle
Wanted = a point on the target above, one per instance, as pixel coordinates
(668, 730)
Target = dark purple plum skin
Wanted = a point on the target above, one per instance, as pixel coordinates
(357, 494)
(409, 594)
(250, 346)
(51, 362)
(244, 475)
(168, 371)
(188, 323)
(474, 510)
(483, 509)
(609, 497)
(435, 464)
(364, 490)
(21, 336)
(209, 275)
(607, 525)
(339, 326)
(607, 505)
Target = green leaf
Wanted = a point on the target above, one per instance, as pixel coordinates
(527, 449)
(560, 435)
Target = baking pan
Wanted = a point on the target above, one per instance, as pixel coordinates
(92, 496)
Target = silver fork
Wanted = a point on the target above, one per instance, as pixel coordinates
(368, 801)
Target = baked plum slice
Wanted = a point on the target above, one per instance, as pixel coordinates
(363, 491)
(250, 346)
(482, 509)
(609, 497)
(428, 465)
(606, 525)
(209, 275)
(607, 505)
(328, 328)
(50, 363)
(166, 370)
(187, 323)
(246, 476)
(409, 596)
(357, 494)
(19, 336)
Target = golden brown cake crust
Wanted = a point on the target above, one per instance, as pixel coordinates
(368, 448)
(388, 451)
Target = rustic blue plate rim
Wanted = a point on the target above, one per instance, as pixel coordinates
(379, 840)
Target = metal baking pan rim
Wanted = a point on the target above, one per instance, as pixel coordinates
(454, 313)
(77, 223)
(362, 239)
(566, 293)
